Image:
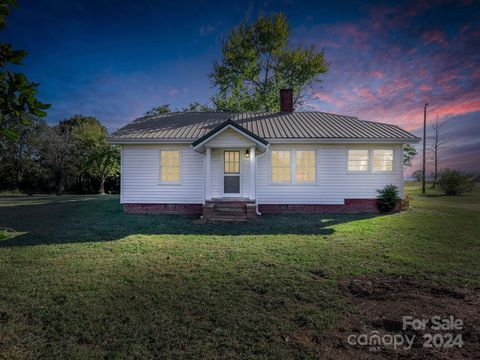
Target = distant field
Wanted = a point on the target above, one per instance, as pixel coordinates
(80, 279)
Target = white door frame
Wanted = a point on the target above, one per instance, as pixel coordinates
(240, 153)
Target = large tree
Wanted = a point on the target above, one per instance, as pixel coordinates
(19, 167)
(18, 100)
(99, 158)
(77, 155)
(257, 61)
(55, 148)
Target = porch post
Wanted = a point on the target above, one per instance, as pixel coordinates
(208, 183)
(252, 174)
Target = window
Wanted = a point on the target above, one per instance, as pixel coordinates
(170, 165)
(305, 166)
(357, 160)
(383, 160)
(231, 162)
(281, 166)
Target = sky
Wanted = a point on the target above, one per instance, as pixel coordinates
(117, 59)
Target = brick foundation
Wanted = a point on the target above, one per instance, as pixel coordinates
(185, 209)
(251, 211)
(350, 206)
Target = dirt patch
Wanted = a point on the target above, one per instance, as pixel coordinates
(378, 305)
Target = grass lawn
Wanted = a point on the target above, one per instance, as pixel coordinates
(80, 279)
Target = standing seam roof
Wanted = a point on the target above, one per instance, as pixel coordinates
(282, 125)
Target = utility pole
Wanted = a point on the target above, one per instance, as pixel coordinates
(424, 144)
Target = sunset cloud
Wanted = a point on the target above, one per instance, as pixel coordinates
(388, 58)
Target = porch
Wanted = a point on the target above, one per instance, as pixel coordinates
(230, 192)
(230, 172)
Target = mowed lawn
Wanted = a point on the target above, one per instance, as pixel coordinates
(80, 279)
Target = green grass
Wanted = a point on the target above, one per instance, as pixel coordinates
(80, 279)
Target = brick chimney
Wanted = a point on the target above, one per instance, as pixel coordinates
(286, 100)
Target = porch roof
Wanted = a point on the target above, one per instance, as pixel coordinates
(229, 124)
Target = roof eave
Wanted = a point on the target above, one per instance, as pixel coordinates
(126, 141)
(139, 141)
(345, 140)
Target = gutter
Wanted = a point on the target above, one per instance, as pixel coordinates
(415, 140)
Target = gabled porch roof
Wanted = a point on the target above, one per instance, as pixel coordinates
(200, 144)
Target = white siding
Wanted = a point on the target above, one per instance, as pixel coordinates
(229, 139)
(140, 181)
(333, 182)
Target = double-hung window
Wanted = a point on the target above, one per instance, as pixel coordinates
(305, 166)
(170, 166)
(299, 164)
(281, 166)
(358, 160)
(382, 160)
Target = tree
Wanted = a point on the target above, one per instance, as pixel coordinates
(158, 110)
(257, 62)
(197, 107)
(17, 94)
(409, 153)
(100, 159)
(19, 168)
(55, 147)
(417, 175)
(438, 141)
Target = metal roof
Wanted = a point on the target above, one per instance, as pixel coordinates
(296, 125)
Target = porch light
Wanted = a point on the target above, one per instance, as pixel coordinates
(247, 154)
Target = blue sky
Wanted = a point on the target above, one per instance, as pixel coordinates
(116, 59)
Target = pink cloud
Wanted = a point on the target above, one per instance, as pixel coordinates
(378, 74)
(392, 80)
(434, 36)
(322, 96)
(365, 93)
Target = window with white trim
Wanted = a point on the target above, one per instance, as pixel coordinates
(305, 166)
(170, 165)
(281, 166)
(358, 160)
(382, 160)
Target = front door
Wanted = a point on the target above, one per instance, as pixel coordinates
(231, 173)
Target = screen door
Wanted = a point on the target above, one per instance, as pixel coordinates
(231, 172)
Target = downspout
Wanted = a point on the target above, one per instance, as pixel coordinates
(256, 172)
(204, 156)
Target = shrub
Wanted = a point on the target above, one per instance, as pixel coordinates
(407, 201)
(388, 198)
(3, 234)
(453, 182)
(417, 175)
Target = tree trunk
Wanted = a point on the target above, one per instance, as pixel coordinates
(436, 170)
(60, 183)
(102, 186)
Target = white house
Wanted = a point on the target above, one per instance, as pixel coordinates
(238, 165)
